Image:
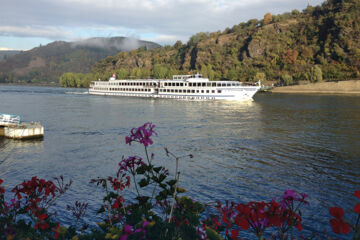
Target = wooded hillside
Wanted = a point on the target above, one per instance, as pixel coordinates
(318, 43)
(45, 64)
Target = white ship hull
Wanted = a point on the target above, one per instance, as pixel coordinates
(190, 88)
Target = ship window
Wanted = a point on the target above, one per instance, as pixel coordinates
(176, 90)
(218, 85)
(180, 91)
(193, 91)
(172, 90)
(197, 91)
(165, 84)
(213, 84)
(229, 84)
(213, 91)
(208, 84)
(202, 91)
(203, 84)
(219, 91)
(181, 84)
(188, 91)
(207, 91)
(177, 84)
(190, 84)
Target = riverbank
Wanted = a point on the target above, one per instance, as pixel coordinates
(340, 87)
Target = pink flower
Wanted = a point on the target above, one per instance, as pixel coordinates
(130, 164)
(142, 134)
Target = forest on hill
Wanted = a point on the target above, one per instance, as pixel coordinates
(45, 64)
(318, 43)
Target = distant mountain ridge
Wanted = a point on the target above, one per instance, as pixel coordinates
(47, 63)
(4, 54)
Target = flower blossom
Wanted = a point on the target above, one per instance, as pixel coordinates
(130, 164)
(141, 134)
(338, 225)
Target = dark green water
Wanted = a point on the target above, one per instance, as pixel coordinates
(243, 151)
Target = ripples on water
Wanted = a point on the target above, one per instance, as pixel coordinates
(243, 151)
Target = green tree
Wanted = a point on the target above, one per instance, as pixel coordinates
(286, 79)
(260, 76)
(159, 71)
(316, 74)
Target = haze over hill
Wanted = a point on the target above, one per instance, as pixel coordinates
(45, 64)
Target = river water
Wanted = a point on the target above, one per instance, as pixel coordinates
(242, 151)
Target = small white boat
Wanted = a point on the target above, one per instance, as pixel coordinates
(190, 87)
(9, 119)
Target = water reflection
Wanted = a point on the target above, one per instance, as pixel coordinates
(10, 148)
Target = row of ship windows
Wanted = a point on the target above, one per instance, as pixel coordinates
(173, 84)
(201, 84)
(128, 83)
(160, 90)
(188, 91)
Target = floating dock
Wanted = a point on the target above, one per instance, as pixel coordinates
(23, 131)
(11, 127)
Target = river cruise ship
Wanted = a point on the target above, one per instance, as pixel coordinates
(188, 87)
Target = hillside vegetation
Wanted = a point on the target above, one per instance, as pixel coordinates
(318, 43)
(45, 64)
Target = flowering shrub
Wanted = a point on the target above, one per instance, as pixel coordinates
(157, 211)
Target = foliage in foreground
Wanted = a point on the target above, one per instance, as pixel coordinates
(157, 211)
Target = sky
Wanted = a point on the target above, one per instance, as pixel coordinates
(25, 24)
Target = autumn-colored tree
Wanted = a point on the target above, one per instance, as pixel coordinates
(290, 56)
(267, 18)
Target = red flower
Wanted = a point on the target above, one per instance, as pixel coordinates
(242, 222)
(337, 224)
(42, 216)
(234, 234)
(357, 194)
(44, 226)
(2, 190)
(357, 208)
(337, 212)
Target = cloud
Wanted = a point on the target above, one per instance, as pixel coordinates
(126, 44)
(163, 18)
(34, 31)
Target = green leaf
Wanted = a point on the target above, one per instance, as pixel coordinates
(142, 169)
(157, 169)
(144, 182)
(162, 178)
(143, 199)
(171, 182)
(212, 234)
(101, 210)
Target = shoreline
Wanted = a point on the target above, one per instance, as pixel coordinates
(347, 87)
